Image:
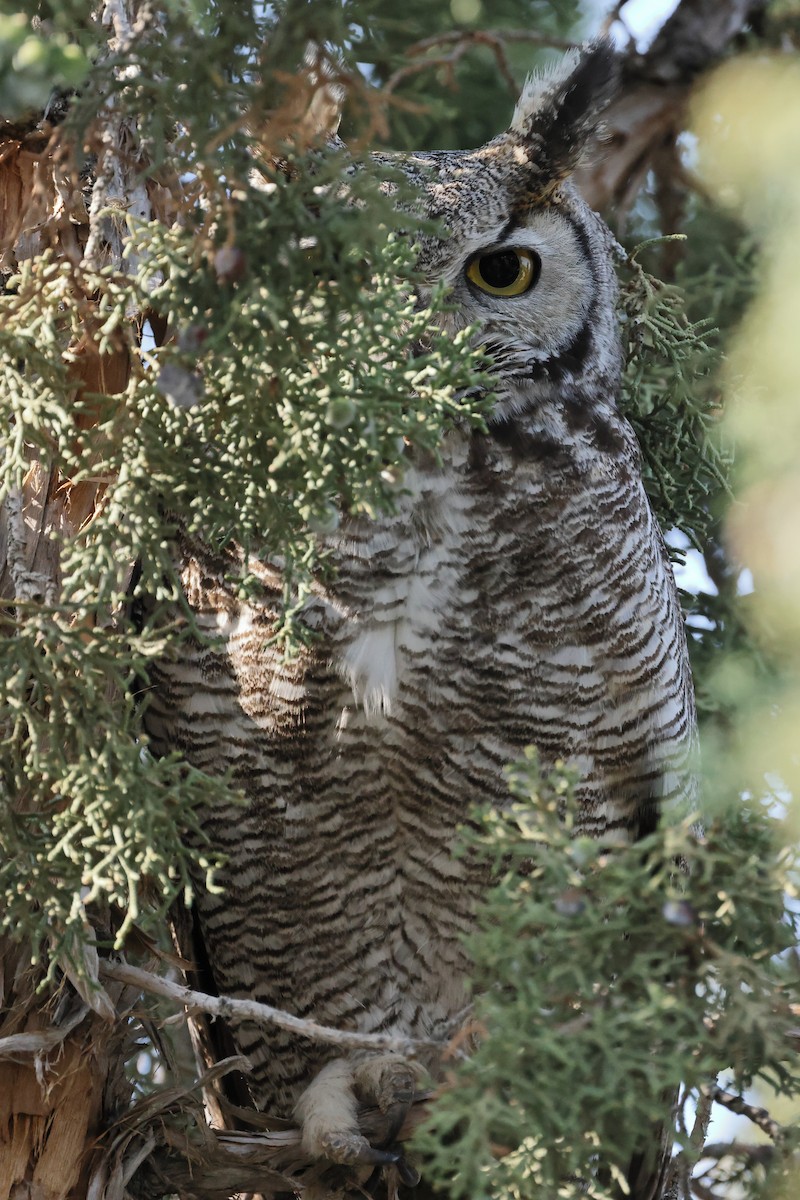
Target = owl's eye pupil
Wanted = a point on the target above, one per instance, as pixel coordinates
(500, 270)
(506, 272)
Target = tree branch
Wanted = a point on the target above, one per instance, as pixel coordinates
(28, 584)
(19, 1045)
(650, 111)
(462, 40)
(752, 1152)
(118, 187)
(695, 35)
(759, 1116)
(234, 1010)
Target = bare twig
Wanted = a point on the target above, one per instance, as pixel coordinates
(462, 40)
(40, 1041)
(650, 110)
(759, 1116)
(251, 1010)
(502, 35)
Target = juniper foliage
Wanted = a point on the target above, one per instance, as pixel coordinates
(294, 376)
(607, 978)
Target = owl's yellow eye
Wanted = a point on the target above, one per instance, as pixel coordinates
(504, 272)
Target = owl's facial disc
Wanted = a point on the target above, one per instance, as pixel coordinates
(530, 285)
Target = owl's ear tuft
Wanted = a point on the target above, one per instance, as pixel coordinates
(559, 110)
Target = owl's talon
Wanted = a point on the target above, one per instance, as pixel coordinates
(409, 1175)
(381, 1158)
(389, 1083)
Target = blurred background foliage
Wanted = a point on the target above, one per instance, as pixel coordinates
(465, 96)
(746, 119)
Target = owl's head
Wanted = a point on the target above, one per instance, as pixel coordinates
(526, 259)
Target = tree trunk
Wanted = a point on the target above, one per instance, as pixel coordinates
(641, 127)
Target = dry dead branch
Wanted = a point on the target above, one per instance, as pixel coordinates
(231, 1009)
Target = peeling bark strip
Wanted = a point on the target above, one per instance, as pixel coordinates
(60, 1074)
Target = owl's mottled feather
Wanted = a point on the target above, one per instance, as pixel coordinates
(521, 593)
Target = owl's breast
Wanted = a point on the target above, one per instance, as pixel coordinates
(459, 583)
(529, 603)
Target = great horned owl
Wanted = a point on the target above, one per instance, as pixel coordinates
(520, 594)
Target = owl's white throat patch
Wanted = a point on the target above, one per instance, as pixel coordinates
(408, 607)
(403, 625)
(370, 666)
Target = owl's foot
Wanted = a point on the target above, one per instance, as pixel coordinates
(350, 1149)
(387, 1083)
(328, 1111)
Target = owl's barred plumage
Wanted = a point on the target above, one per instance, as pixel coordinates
(519, 594)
